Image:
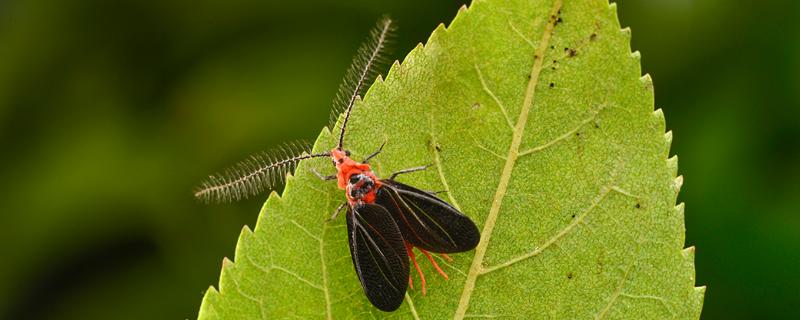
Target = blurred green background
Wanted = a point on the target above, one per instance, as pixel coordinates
(111, 111)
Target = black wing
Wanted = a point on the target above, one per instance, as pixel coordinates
(426, 221)
(379, 255)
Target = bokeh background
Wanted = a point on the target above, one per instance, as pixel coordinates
(111, 111)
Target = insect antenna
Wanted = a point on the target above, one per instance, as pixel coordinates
(257, 173)
(362, 71)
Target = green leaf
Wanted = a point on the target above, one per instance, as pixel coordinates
(538, 123)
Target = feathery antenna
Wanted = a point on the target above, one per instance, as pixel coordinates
(370, 55)
(261, 171)
(257, 173)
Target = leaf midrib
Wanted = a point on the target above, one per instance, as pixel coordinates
(505, 177)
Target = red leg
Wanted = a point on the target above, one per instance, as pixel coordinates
(435, 265)
(411, 255)
(446, 257)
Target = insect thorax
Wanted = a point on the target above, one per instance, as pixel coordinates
(360, 187)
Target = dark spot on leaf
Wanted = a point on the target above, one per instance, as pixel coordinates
(572, 52)
(553, 68)
(638, 206)
(593, 36)
(529, 76)
(559, 20)
(555, 61)
(577, 134)
(552, 85)
(552, 47)
(438, 147)
(570, 275)
(573, 215)
(476, 106)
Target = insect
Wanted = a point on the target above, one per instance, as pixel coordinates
(386, 219)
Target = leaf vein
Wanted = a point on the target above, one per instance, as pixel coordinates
(564, 136)
(305, 230)
(438, 163)
(660, 300)
(297, 276)
(411, 307)
(494, 97)
(521, 35)
(329, 314)
(247, 296)
(539, 249)
(482, 147)
(505, 177)
(614, 295)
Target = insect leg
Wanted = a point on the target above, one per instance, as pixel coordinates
(436, 192)
(374, 153)
(325, 178)
(336, 213)
(410, 250)
(435, 265)
(409, 170)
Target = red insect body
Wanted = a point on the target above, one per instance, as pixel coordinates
(346, 168)
(366, 184)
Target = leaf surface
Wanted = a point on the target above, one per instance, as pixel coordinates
(541, 128)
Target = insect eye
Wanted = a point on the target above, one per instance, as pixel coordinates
(354, 179)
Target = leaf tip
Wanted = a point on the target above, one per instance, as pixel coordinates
(289, 176)
(226, 263)
(660, 123)
(437, 33)
(324, 133)
(636, 55)
(273, 201)
(274, 196)
(245, 235)
(679, 208)
(672, 165)
(700, 291)
(212, 290)
(668, 137)
(688, 257)
(626, 32)
(207, 310)
(678, 182)
(688, 252)
(463, 11)
(647, 81)
(659, 114)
